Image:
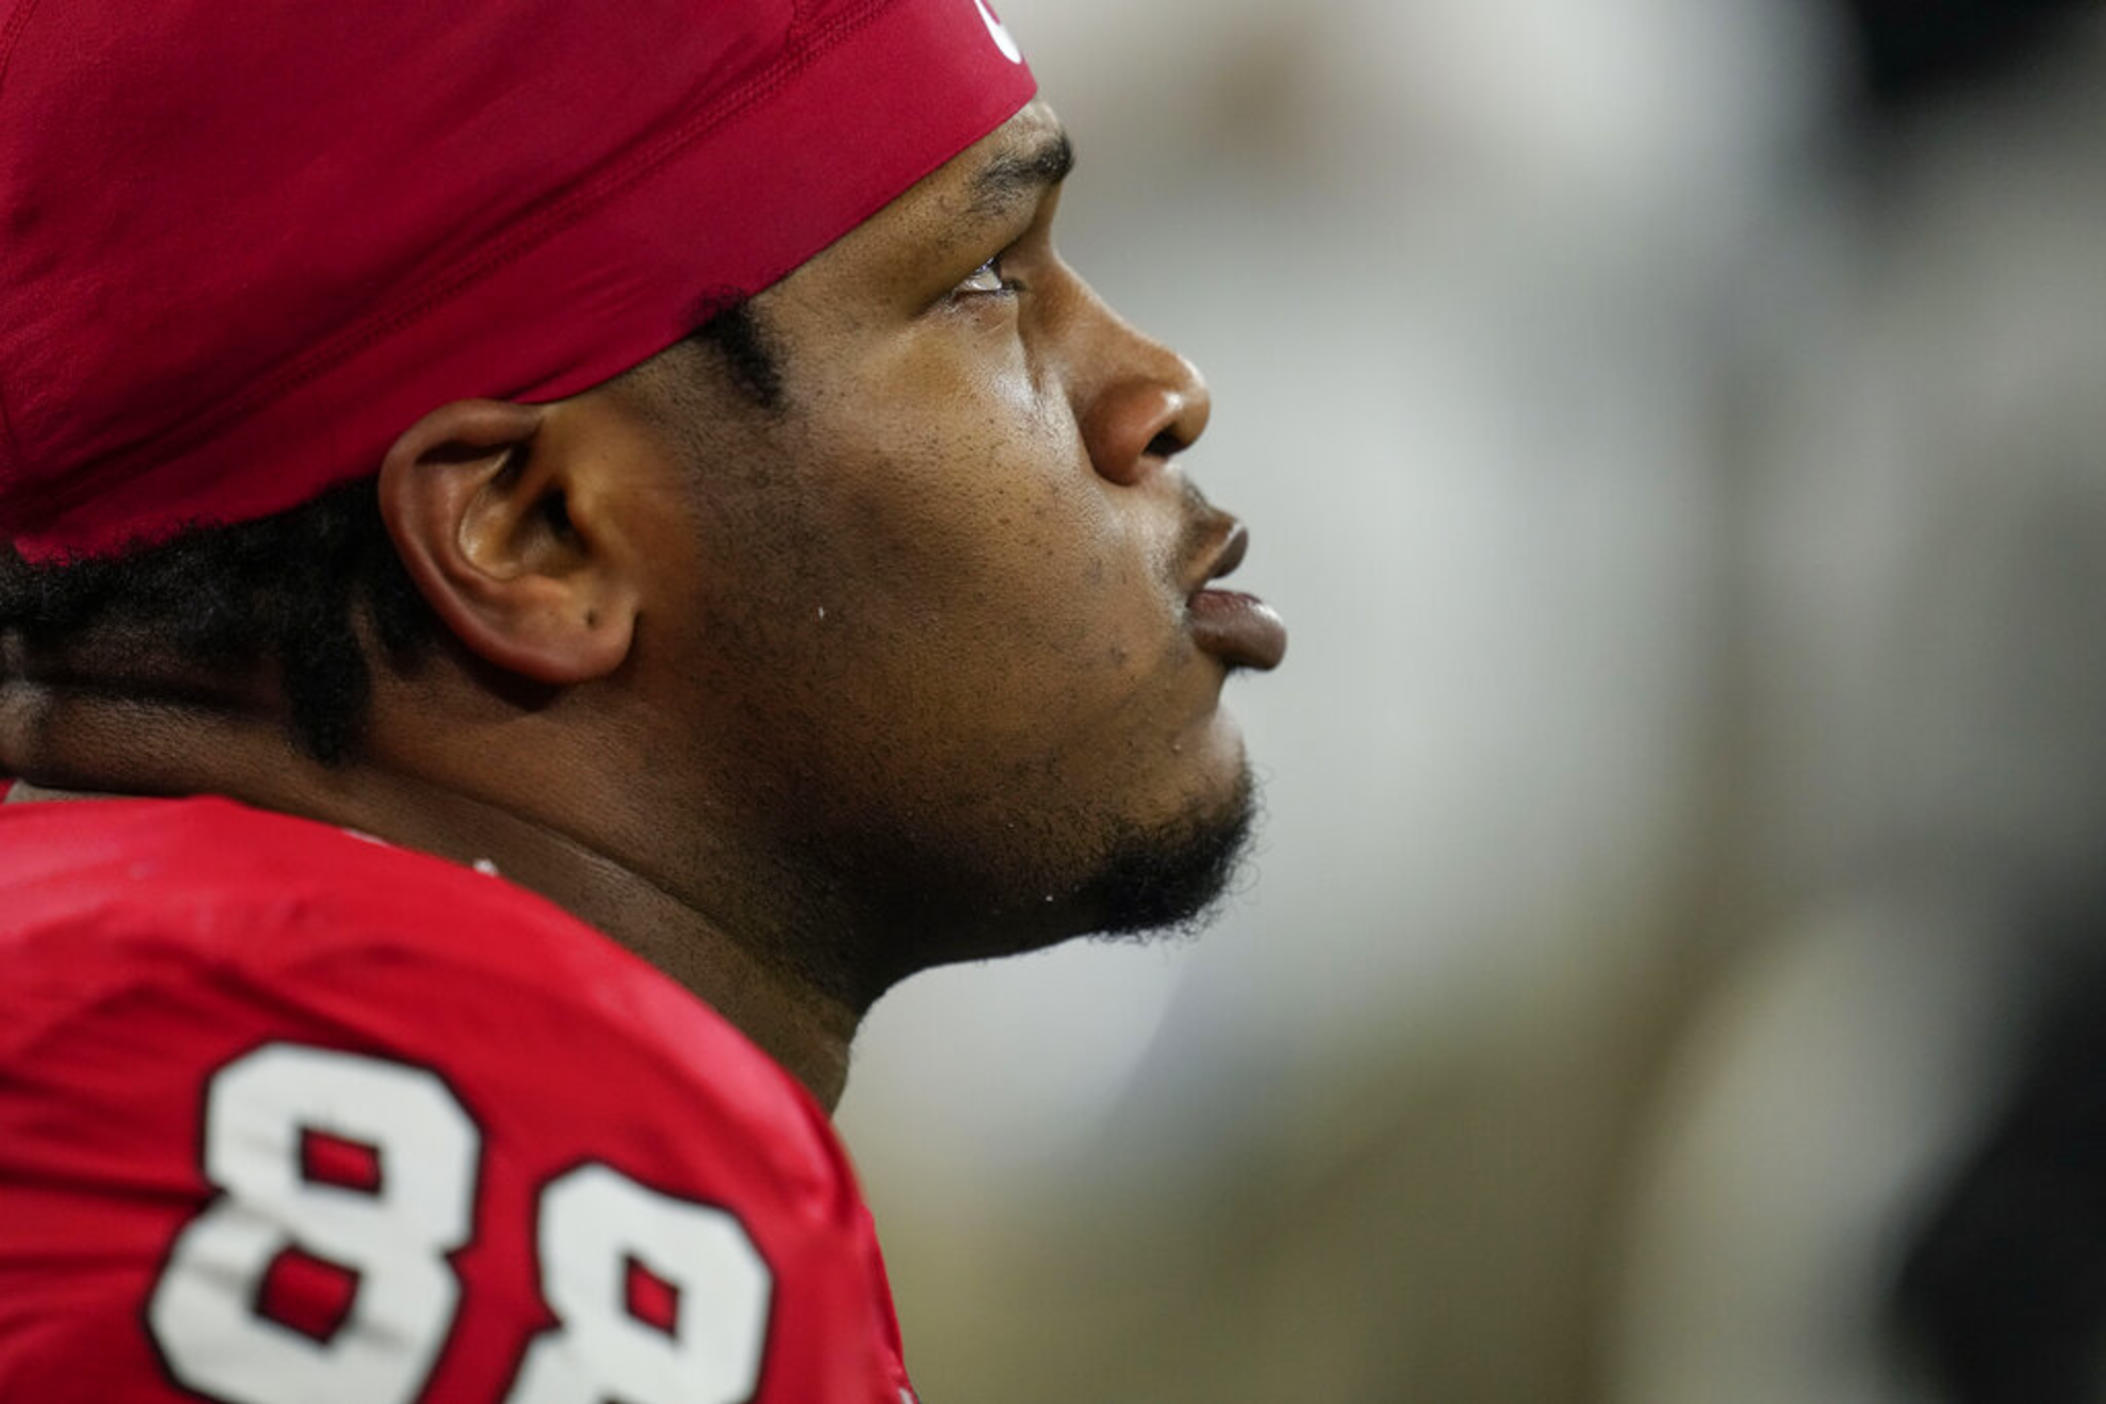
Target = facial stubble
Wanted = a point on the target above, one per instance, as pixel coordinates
(910, 905)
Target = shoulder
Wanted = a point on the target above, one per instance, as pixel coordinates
(327, 1101)
(209, 921)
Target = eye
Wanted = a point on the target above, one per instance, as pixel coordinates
(986, 281)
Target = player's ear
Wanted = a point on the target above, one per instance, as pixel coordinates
(506, 532)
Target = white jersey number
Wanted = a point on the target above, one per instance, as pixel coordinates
(594, 1223)
(395, 1238)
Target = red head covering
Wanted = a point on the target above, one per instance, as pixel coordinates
(245, 243)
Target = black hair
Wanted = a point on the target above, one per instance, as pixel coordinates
(286, 592)
(749, 352)
(281, 592)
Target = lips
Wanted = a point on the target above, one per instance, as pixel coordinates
(1241, 630)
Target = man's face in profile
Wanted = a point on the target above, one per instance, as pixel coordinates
(946, 616)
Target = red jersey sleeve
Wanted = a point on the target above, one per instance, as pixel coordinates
(291, 1117)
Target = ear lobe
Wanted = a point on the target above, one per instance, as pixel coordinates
(494, 527)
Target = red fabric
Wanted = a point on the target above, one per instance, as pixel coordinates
(244, 245)
(150, 945)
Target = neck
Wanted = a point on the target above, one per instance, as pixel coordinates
(72, 745)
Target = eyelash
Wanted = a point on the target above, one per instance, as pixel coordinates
(1009, 288)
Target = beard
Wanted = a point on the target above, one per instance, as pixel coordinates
(902, 904)
(1172, 880)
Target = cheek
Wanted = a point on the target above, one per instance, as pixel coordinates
(964, 579)
(1010, 549)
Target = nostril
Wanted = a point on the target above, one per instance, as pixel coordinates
(1165, 444)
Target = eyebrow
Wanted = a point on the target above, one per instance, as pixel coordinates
(1009, 179)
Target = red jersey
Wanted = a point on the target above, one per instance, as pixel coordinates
(289, 1116)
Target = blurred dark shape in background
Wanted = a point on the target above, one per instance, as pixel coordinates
(2002, 1292)
(1911, 53)
(1877, 1171)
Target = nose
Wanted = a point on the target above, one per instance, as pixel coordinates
(1139, 403)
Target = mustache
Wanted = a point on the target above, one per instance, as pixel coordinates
(1210, 541)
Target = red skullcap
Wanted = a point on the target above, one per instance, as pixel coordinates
(245, 243)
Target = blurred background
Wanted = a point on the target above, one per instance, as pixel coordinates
(1675, 431)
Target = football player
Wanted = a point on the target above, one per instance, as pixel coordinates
(552, 552)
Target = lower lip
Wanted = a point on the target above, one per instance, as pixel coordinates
(1241, 630)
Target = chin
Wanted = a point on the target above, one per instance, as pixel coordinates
(1170, 878)
(1120, 877)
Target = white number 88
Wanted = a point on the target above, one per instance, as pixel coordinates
(592, 1221)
